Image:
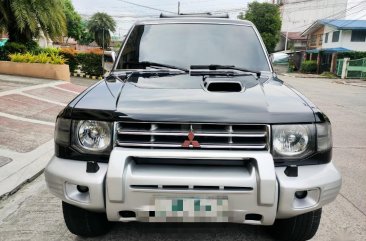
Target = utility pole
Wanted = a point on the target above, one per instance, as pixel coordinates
(178, 7)
(103, 53)
(286, 40)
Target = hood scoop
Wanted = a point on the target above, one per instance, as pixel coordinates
(223, 86)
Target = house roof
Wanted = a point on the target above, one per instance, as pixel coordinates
(293, 35)
(345, 24)
(328, 50)
(340, 24)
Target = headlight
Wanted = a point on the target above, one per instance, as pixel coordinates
(293, 141)
(93, 136)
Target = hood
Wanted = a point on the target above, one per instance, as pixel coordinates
(265, 101)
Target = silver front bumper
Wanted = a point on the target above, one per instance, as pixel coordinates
(258, 188)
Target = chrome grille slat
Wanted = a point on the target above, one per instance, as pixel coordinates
(262, 134)
(204, 146)
(209, 136)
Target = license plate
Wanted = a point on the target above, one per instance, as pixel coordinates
(191, 209)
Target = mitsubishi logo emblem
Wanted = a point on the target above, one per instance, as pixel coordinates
(191, 142)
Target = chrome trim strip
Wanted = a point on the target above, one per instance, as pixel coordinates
(154, 133)
(203, 146)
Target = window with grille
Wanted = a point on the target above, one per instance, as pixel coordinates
(358, 36)
(335, 37)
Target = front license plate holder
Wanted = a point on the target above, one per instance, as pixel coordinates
(191, 209)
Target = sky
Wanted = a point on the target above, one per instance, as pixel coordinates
(126, 14)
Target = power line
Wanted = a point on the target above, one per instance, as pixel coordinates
(148, 7)
(332, 16)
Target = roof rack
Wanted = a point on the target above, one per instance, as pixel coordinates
(194, 15)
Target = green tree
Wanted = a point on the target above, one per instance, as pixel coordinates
(24, 19)
(86, 37)
(267, 18)
(73, 20)
(100, 25)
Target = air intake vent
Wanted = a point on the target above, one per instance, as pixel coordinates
(185, 135)
(224, 87)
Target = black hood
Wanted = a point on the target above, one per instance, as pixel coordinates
(265, 101)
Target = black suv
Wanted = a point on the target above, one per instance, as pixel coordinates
(192, 125)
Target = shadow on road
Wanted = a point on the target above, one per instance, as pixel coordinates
(185, 231)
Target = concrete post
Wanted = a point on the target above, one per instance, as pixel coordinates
(333, 63)
(344, 68)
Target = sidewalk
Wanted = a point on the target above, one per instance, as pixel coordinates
(354, 82)
(28, 110)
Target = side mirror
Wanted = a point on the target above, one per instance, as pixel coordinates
(109, 59)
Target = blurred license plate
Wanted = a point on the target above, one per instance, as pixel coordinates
(192, 209)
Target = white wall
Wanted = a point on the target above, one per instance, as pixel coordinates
(344, 40)
(356, 10)
(296, 17)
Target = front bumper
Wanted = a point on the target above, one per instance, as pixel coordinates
(256, 188)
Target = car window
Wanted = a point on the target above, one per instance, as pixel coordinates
(184, 45)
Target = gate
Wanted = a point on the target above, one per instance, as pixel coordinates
(356, 69)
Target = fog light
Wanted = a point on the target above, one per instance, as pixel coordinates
(301, 194)
(82, 189)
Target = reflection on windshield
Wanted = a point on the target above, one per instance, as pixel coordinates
(183, 45)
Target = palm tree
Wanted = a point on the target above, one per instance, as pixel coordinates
(24, 19)
(100, 25)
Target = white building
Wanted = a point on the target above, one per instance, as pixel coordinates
(351, 35)
(298, 15)
(337, 34)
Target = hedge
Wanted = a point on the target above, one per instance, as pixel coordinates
(70, 56)
(42, 58)
(91, 64)
(309, 66)
(13, 47)
(352, 55)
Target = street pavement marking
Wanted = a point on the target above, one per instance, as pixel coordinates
(2, 114)
(20, 90)
(42, 99)
(59, 88)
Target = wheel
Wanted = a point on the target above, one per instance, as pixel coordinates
(84, 223)
(299, 228)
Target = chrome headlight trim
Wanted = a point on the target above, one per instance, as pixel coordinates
(293, 141)
(90, 136)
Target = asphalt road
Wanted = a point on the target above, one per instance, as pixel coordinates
(34, 214)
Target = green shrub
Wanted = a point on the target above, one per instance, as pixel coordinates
(48, 50)
(352, 55)
(11, 48)
(308, 66)
(70, 57)
(91, 64)
(42, 58)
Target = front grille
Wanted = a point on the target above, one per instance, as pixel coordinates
(209, 136)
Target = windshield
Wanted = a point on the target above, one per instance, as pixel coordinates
(183, 45)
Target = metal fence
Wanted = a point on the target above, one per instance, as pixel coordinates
(356, 69)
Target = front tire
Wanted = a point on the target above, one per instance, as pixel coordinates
(299, 228)
(84, 223)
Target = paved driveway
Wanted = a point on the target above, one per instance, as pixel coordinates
(28, 109)
(34, 214)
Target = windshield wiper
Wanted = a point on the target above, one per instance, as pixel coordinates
(223, 67)
(154, 64)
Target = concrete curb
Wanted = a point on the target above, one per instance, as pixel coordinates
(87, 76)
(24, 168)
